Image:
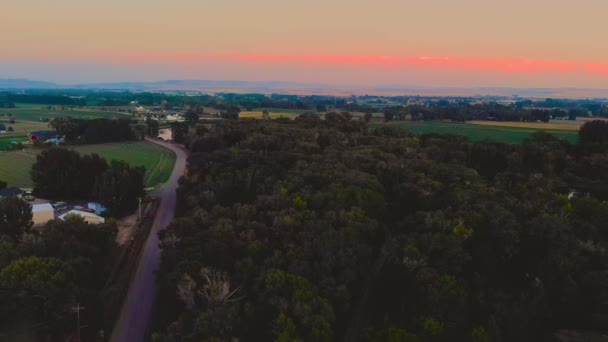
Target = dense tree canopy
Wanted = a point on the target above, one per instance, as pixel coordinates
(64, 174)
(86, 131)
(15, 217)
(119, 187)
(594, 132)
(320, 230)
(48, 270)
(61, 173)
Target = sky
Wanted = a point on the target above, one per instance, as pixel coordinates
(446, 43)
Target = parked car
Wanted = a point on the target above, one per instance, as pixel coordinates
(58, 206)
(28, 197)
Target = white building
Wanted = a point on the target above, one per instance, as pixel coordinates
(42, 213)
(87, 217)
(175, 117)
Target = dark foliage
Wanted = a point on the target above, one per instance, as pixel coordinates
(46, 272)
(594, 132)
(63, 174)
(15, 217)
(95, 131)
(318, 230)
(119, 186)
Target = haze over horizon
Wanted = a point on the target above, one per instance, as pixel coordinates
(470, 43)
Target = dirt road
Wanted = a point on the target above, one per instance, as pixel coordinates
(135, 316)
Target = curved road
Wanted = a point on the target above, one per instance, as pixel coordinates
(134, 320)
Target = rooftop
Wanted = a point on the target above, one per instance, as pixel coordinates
(10, 192)
(41, 207)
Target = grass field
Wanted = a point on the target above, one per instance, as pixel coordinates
(36, 112)
(510, 135)
(5, 141)
(158, 161)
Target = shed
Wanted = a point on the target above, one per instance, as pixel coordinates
(42, 213)
(87, 217)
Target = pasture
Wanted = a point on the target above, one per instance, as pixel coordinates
(510, 135)
(29, 112)
(158, 161)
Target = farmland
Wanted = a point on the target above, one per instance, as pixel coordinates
(158, 161)
(510, 135)
(273, 115)
(21, 128)
(28, 112)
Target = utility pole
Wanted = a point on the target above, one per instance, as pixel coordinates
(139, 199)
(77, 309)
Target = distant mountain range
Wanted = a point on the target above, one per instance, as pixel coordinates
(14, 83)
(283, 87)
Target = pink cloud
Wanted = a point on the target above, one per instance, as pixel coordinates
(507, 65)
(504, 65)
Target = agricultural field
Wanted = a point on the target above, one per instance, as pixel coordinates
(30, 112)
(273, 115)
(552, 125)
(158, 161)
(285, 111)
(510, 135)
(22, 128)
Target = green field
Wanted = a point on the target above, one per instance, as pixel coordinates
(36, 112)
(510, 135)
(5, 141)
(158, 161)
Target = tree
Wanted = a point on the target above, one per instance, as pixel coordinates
(15, 217)
(153, 127)
(367, 117)
(40, 290)
(265, 114)
(179, 132)
(231, 113)
(2, 185)
(138, 130)
(120, 186)
(63, 174)
(192, 115)
(594, 132)
(10, 129)
(166, 105)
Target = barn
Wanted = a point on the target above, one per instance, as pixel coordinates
(42, 135)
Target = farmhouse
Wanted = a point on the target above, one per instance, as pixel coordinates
(87, 217)
(10, 192)
(42, 135)
(42, 213)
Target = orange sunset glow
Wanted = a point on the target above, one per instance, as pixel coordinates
(465, 43)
